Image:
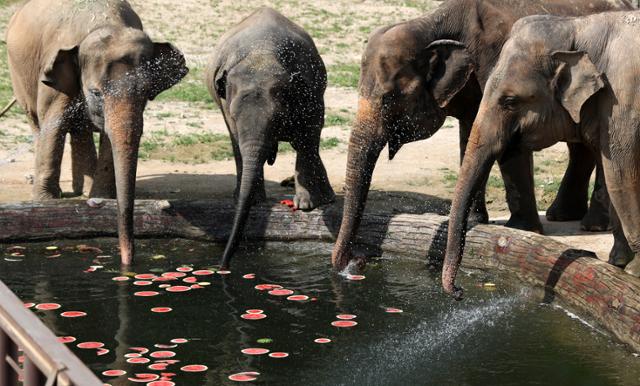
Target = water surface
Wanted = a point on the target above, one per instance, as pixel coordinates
(500, 336)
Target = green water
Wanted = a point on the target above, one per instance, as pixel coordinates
(493, 337)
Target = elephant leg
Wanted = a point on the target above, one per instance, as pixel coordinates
(49, 150)
(621, 253)
(597, 218)
(478, 212)
(312, 184)
(104, 183)
(624, 192)
(516, 167)
(84, 159)
(570, 203)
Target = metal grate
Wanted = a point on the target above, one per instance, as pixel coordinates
(47, 362)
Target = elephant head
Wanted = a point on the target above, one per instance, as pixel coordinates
(112, 73)
(405, 87)
(533, 99)
(254, 104)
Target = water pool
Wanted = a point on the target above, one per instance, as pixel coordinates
(498, 335)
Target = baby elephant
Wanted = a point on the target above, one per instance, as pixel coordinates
(562, 79)
(269, 81)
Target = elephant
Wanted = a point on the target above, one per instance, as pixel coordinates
(415, 73)
(268, 78)
(561, 79)
(84, 66)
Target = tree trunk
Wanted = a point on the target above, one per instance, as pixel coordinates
(591, 287)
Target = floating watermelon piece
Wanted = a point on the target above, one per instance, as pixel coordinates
(176, 275)
(204, 283)
(102, 351)
(184, 269)
(162, 354)
(253, 316)
(194, 368)
(133, 355)
(161, 310)
(48, 306)
(113, 373)
(145, 276)
(249, 276)
(179, 340)
(161, 383)
(298, 298)
(158, 366)
(322, 340)
(164, 286)
(146, 293)
(120, 278)
(142, 282)
(281, 292)
(202, 272)
(190, 279)
(141, 350)
(255, 311)
(356, 277)
(267, 287)
(288, 203)
(344, 323)
(144, 378)
(90, 345)
(346, 316)
(29, 305)
(279, 354)
(178, 288)
(66, 339)
(196, 286)
(244, 377)
(138, 361)
(73, 314)
(254, 351)
(160, 345)
(392, 310)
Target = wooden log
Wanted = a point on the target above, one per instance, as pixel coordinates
(593, 288)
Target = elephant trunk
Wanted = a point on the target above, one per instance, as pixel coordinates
(476, 166)
(365, 144)
(123, 123)
(252, 163)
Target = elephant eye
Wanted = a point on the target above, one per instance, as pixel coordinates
(95, 93)
(509, 102)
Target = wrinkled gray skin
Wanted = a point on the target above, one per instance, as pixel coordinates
(562, 79)
(84, 66)
(416, 73)
(269, 81)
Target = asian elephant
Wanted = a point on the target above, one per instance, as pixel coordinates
(269, 81)
(84, 66)
(416, 73)
(562, 79)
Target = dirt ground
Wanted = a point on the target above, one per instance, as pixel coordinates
(419, 173)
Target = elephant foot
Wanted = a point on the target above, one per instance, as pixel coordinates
(51, 193)
(566, 212)
(304, 200)
(530, 224)
(621, 255)
(596, 221)
(633, 268)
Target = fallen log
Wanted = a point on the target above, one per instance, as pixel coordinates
(594, 288)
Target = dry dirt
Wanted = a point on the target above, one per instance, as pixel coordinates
(421, 171)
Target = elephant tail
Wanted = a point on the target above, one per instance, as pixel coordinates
(8, 107)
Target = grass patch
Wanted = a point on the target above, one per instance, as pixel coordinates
(344, 75)
(449, 178)
(334, 119)
(190, 89)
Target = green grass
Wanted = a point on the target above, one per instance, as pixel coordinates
(344, 75)
(190, 89)
(333, 119)
(449, 178)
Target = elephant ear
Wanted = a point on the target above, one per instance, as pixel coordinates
(576, 80)
(167, 68)
(62, 73)
(450, 67)
(220, 84)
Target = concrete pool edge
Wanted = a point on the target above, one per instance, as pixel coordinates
(594, 288)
